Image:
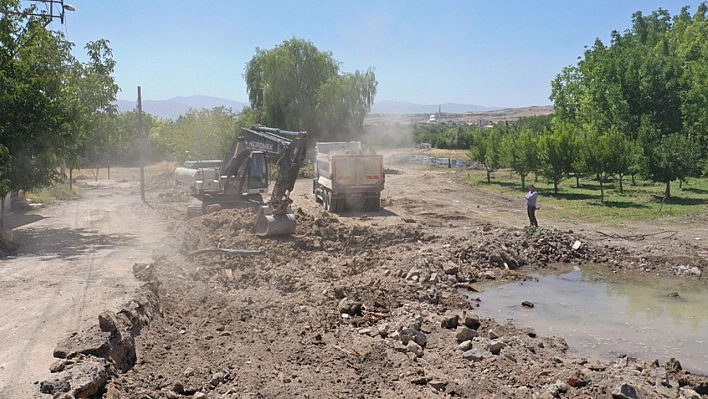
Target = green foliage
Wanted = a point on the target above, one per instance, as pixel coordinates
(199, 134)
(486, 150)
(520, 153)
(556, 152)
(4, 163)
(298, 87)
(51, 103)
(672, 158)
(642, 202)
(648, 92)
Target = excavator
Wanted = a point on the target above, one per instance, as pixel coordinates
(243, 176)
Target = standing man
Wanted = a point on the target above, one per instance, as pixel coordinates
(531, 197)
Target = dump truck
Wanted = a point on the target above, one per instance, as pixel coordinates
(347, 176)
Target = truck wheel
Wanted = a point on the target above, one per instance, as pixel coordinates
(338, 205)
(327, 200)
(375, 204)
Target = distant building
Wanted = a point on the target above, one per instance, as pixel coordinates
(433, 119)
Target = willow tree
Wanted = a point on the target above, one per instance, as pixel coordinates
(298, 87)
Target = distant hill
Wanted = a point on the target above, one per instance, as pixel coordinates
(397, 107)
(176, 106)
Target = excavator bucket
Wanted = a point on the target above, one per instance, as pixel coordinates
(268, 223)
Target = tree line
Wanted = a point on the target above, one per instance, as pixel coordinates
(635, 107)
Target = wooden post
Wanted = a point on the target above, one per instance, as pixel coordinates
(142, 145)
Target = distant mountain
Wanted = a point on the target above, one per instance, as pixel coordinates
(397, 107)
(176, 106)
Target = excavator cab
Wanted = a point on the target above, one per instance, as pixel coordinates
(257, 173)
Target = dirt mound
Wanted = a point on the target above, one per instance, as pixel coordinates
(160, 181)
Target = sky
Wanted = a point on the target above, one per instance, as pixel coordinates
(494, 53)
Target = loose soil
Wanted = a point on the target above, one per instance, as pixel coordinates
(369, 305)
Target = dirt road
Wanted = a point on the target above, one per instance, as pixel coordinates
(75, 261)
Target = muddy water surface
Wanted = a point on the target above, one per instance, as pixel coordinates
(601, 314)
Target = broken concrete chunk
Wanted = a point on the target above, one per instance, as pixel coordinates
(471, 320)
(624, 391)
(450, 320)
(465, 334)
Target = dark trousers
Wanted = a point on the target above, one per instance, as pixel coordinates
(532, 215)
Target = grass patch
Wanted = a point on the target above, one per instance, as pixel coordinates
(641, 202)
(453, 154)
(50, 194)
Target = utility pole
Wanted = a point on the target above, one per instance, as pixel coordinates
(54, 12)
(142, 146)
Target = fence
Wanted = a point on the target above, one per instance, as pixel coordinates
(429, 161)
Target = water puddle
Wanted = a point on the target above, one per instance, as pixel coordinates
(601, 314)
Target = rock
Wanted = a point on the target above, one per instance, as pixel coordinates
(465, 346)
(350, 307)
(476, 355)
(212, 208)
(408, 334)
(107, 322)
(686, 393)
(414, 348)
(188, 372)
(178, 387)
(527, 304)
(673, 366)
(597, 367)
(438, 385)
(474, 288)
(85, 379)
(450, 320)
(383, 330)
(529, 332)
(217, 379)
(695, 271)
(450, 268)
(471, 320)
(496, 346)
(400, 347)
(413, 274)
(492, 334)
(434, 278)
(465, 334)
(576, 245)
(57, 366)
(199, 395)
(624, 391)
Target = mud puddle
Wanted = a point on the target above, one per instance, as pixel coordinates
(601, 314)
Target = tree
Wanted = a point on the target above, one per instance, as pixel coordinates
(298, 87)
(556, 152)
(486, 149)
(343, 102)
(672, 158)
(622, 154)
(44, 97)
(199, 134)
(520, 153)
